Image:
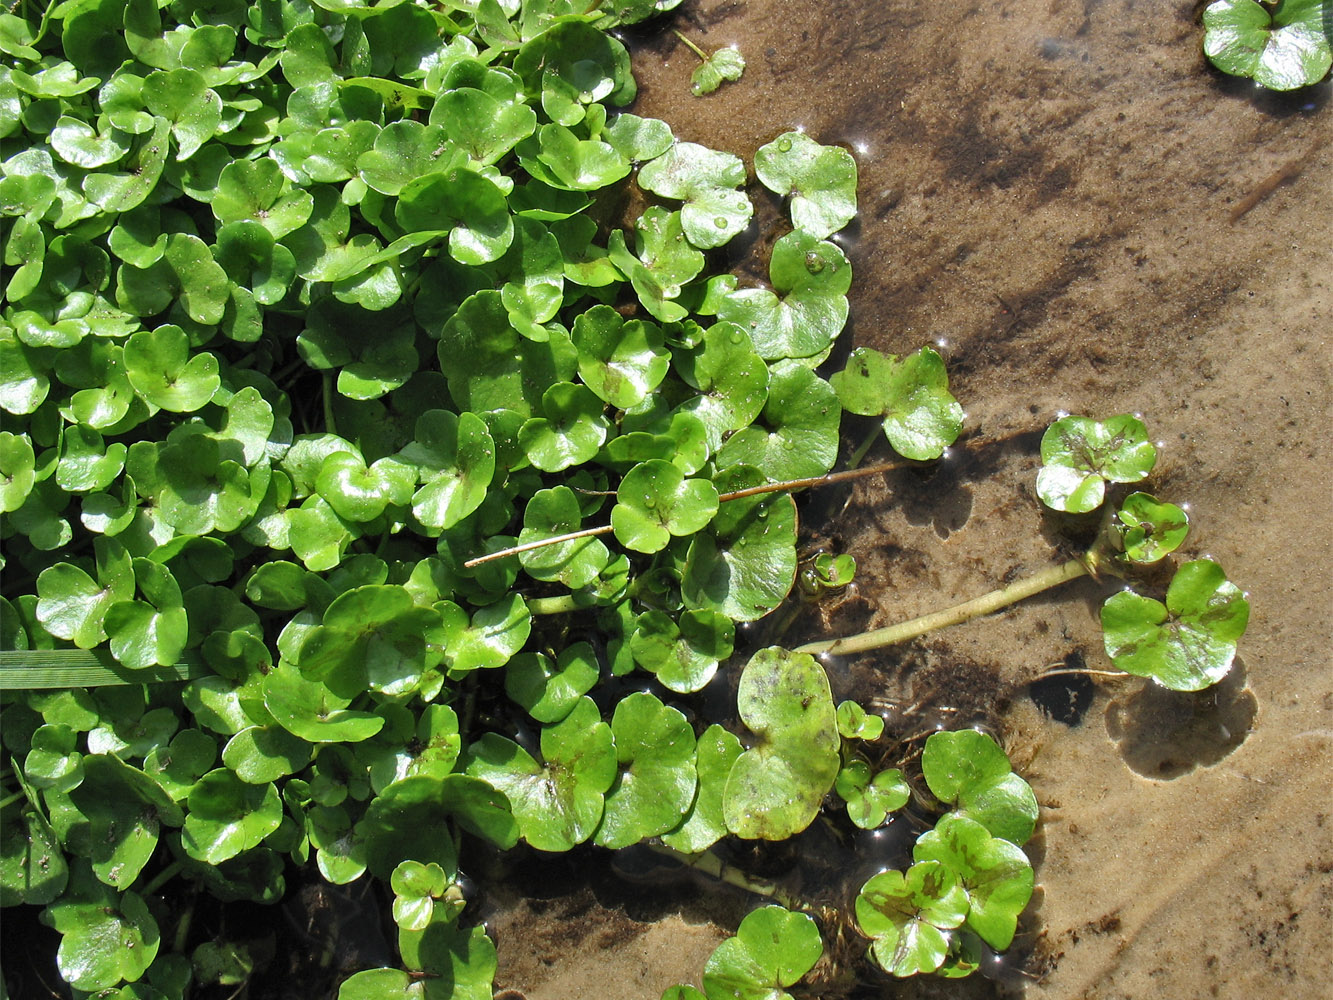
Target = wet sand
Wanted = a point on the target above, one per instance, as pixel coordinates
(1063, 193)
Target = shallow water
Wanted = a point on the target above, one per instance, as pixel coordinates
(1053, 189)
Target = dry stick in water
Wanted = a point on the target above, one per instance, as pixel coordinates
(784, 486)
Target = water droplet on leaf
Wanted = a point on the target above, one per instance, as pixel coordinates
(814, 263)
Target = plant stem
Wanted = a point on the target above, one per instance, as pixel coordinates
(162, 877)
(785, 486)
(329, 426)
(552, 605)
(692, 47)
(864, 447)
(878, 638)
(710, 864)
(9, 800)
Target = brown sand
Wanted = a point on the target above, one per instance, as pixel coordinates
(1049, 186)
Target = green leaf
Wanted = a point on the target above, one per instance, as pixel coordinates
(358, 493)
(226, 816)
(558, 804)
(854, 723)
(570, 432)
(162, 371)
(125, 809)
(1186, 644)
(1150, 529)
(577, 562)
(466, 205)
(745, 564)
(549, 691)
(996, 875)
(905, 916)
(482, 126)
(1080, 456)
(870, 798)
(969, 770)
(921, 417)
(655, 502)
(260, 754)
(106, 936)
(455, 459)
(819, 180)
(17, 467)
(622, 362)
(773, 948)
(798, 438)
(724, 64)
(656, 781)
(402, 823)
(704, 824)
(731, 380)
(776, 787)
(684, 656)
(72, 605)
(495, 634)
(807, 308)
(706, 181)
(308, 709)
(181, 97)
(1282, 46)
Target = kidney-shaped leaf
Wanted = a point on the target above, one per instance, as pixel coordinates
(1080, 456)
(772, 949)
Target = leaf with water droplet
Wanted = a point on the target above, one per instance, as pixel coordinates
(655, 501)
(1282, 46)
(723, 65)
(820, 180)
(797, 434)
(707, 181)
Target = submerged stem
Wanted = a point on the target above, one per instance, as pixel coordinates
(710, 864)
(878, 638)
(692, 47)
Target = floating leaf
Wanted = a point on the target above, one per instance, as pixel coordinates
(1080, 456)
(724, 64)
(807, 308)
(1149, 528)
(996, 874)
(549, 691)
(162, 370)
(775, 788)
(655, 501)
(819, 180)
(706, 181)
(921, 417)
(226, 816)
(656, 780)
(798, 437)
(905, 916)
(870, 798)
(575, 563)
(684, 656)
(1282, 46)
(773, 948)
(622, 362)
(969, 770)
(704, 824)
(1187, 643)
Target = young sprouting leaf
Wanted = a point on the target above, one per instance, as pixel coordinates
(226, 816)
(162, 371)
(921, 417)
(1149, 528)
(549, 691)
(870, 798)
(704, 824)
(967, 769)
(1282, 46)
(905, 916)
(107, 937)
(575, 563)
(776, 787)
(773, 948)
(655, 502)
(557, 804)
(724, 64)
(1189, 642)
(707, 181)
(656, 780)
(855, 723)
(745, 564)
(820, 180)
(421, 891)
(1080, 456)
(798, 436)
(683, 655)
(622, 362)
(807, 308)
(995, 873)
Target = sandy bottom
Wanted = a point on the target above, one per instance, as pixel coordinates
(1050, 187)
